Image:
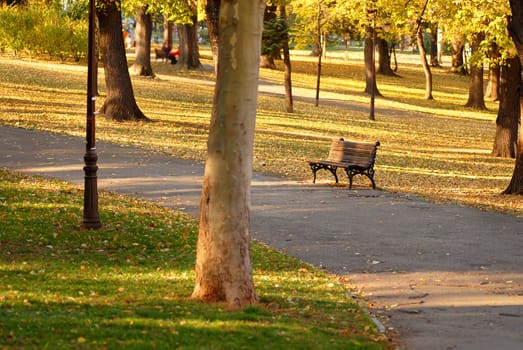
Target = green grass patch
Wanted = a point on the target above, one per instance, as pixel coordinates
(128, 285)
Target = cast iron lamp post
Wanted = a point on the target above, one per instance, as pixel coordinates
(91, 218)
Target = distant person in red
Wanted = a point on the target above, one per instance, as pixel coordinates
(172, 55)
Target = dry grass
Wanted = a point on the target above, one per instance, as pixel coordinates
(437, 149)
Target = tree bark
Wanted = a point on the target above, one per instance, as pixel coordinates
(289, 106)
(212, 11)
(507, 122)
(168, 28)
(189, 49)
(119, 103)
(370, 79)
(320, 55)
(458, 64)
(476, 98)
(223, 265)
(384, 64)
(423, 54)
(144, 28)
(515, 28)
(268, 56)
(493, 73)
(434, 61)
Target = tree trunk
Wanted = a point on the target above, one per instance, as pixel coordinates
(370, 78)
(168, 28)
(144, 29)
(458, 64)
(268, 55)
(384, 65)
(515, 28)
(493, 73)
(320, 55)
(223, 265)
(423, 53)
(287, 64)
(189, 50)
(507, 122)
(212, 11)
(476, 98)
(119, 103)
(426, 67)
(434, 62)
(267, 61)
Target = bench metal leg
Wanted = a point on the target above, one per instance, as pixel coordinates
(316, 167)
(333, 171)
(351, 172)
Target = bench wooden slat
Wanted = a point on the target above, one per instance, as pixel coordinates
(356, 158)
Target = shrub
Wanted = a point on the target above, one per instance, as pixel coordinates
(44, 31)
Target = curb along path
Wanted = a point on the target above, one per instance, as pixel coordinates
(445, 277)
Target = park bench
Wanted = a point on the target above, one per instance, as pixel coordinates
(160, 54)
(357, 158)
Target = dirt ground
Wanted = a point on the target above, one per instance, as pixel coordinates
(434, 276)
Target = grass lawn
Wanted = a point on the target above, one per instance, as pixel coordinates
(128, 285)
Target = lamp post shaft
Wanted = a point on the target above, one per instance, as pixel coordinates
(91, 218)
(373, 70)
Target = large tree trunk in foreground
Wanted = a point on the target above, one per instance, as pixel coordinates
(119, 103)
(515, 28)
(476, 98)
(507, 122)
(223, 264)
(144, 28)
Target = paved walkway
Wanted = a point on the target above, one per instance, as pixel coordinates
(443, 276)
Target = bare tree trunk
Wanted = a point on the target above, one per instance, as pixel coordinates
(384, 64)
(268, 56)
(515, 28)
(507, 122)
(458, 64)
(144, 29)
(119, 103)
(287, 64)
(320, 55)
(212, 10)
(223, 265)
(168, 28)
(267, 61)
(434, 62)
(476, 98)
(189, 50)
(493, 73)
(370, 78)
(423, 54)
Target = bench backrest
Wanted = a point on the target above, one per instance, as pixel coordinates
(358, 153)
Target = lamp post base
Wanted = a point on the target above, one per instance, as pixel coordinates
(91, 215)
